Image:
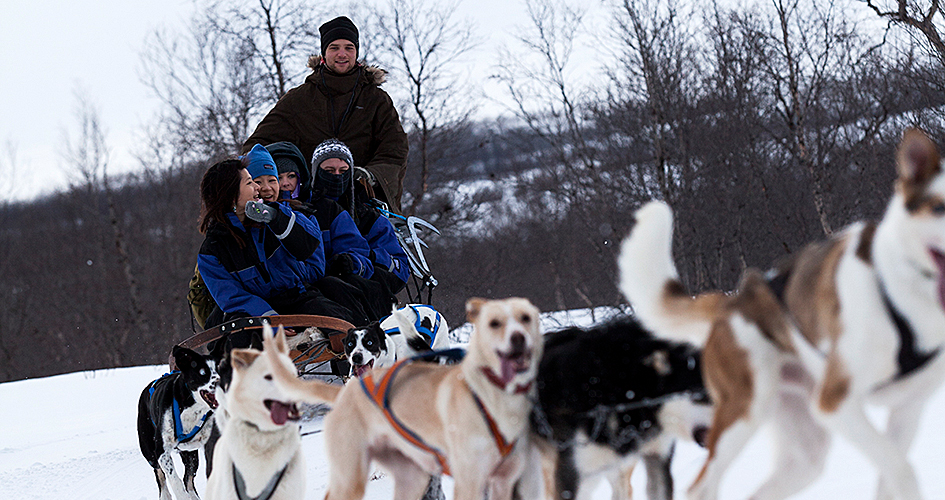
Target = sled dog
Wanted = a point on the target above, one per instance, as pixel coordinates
(258, 454)
(418, 420)
(175, 414)
(856, 319)
(408, 331)
(608, 396)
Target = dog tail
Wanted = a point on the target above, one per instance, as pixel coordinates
(650, 282)
(307, 391)
(408, 329)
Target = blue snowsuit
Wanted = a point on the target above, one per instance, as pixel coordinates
(242, 278)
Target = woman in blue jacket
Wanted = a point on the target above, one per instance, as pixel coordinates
(258, 267)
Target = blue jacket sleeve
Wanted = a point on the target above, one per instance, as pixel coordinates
(227, 291)
(345, 238)
(305, 229)
(387, 250)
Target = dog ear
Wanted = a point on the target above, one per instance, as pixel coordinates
(186, 358)
(473, 307)
(240, 359)
(376, 326)
(918, 159)
(275, 342)
(281, 343)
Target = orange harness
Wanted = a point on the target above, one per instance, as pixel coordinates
(380, 393)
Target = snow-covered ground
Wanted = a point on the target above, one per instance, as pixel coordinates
(73, 436)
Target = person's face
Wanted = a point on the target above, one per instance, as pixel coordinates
(340, 56)
(335, 166)
(249, 191)
(288, 181)
(268, 187)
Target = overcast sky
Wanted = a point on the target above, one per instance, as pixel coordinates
(50, 49)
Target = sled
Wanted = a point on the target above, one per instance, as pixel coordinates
(311, 358)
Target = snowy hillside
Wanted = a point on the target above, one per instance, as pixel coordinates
(73, 436)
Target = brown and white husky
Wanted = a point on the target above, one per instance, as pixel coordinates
(856, 319)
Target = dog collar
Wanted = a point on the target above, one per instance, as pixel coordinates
(265, 494)
(497, 381)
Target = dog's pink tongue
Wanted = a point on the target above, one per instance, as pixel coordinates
(939, 259)
(279, 412)
(512, 367)
(508, 370)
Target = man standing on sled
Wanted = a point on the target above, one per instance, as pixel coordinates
(342, 99)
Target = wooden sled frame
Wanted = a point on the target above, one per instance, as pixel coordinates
(315, 355)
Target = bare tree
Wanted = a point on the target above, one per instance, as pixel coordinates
(87, 156)
(924, 18)
(810, 45)
(427, 47)
(546, 97)
(218, 78)
(657, 68)
(282, 34)
(211, 88)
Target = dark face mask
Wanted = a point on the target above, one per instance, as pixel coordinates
(331, 184)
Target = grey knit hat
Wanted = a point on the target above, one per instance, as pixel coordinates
(332, 148)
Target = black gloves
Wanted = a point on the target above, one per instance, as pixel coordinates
(341, 264)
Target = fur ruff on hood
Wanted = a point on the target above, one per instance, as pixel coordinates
(374, 74)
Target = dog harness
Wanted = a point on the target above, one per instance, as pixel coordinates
(909, 358)
(426, 332)
(178, 424)
(240, 484)
(379, 393)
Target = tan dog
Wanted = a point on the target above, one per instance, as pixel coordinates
(856, 319)
(469, 419)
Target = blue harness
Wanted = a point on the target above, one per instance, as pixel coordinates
(427, 333)
(178, 425)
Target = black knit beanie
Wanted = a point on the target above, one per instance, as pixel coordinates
(339, 28)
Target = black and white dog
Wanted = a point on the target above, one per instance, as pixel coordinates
(408, 331)
(610, 395)
(175, 413)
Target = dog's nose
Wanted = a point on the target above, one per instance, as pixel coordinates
(356, 358)
(518, 342)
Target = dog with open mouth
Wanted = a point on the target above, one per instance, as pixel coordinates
(175, 414)
(853, 320)
(408, 331)
(417, 420)
(258, 454)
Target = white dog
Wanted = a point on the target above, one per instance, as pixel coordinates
(258, 454)
(408, 331)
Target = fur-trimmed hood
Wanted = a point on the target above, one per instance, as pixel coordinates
(374, 74)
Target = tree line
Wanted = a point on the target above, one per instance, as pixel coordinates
(766, 125)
